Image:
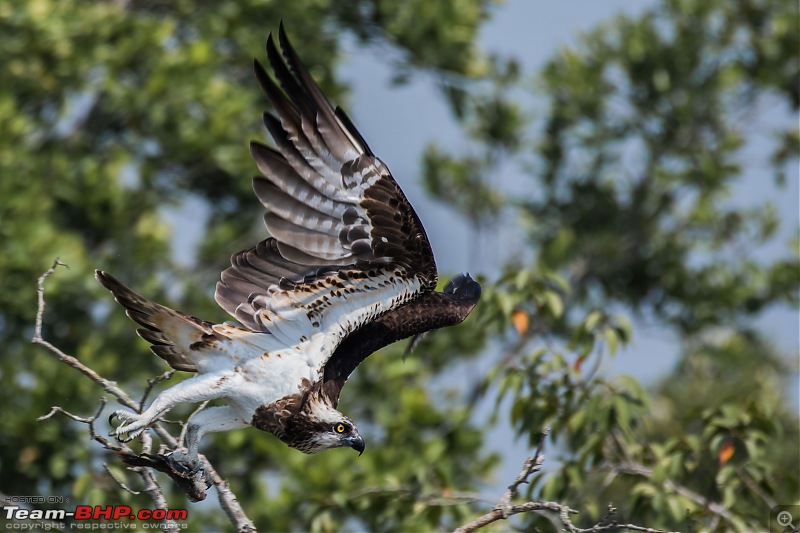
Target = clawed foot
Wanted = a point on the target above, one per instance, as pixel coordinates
(185, 466)
(188, 473)
(131, 425)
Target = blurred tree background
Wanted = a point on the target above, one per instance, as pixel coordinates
(111, 113)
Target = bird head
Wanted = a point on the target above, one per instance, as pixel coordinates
(320, 427)
(308, 421)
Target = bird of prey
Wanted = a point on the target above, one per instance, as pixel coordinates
(346, 270)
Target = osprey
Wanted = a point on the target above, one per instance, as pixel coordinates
(347, 269)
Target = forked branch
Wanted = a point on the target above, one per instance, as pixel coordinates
(227, 500)
(559, 512)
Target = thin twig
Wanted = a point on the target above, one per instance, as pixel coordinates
(56, 409)
(152, 382)
(119, 482)
(90, 423)
(147, 442)
(151, 487)
(496, 514)
(504, 509)
(227, 500)
(532, 464)
(748, 480)
(108, 385)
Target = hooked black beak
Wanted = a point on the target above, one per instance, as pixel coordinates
(357, 443)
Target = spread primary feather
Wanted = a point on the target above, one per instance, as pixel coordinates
(347, 268)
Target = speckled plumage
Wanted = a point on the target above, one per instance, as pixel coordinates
(346, 270)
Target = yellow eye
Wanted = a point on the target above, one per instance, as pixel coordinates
(340, 428)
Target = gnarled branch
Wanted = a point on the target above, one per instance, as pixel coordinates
(227, 500)
(504, 508)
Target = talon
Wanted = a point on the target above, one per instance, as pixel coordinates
(114, 430)
(117, 434)
(130, 425)
(184, 466)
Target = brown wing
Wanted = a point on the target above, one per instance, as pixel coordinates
(336, 216)
(430, 311)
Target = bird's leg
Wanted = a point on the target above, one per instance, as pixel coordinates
(196, 389)
(208, 420)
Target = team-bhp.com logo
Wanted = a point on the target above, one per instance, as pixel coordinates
(98, 517)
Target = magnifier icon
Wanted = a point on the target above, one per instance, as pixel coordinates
(785, 519)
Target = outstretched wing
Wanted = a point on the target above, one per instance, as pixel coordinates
(430, 311)
(346, 244)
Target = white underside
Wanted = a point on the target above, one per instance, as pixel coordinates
(250, 369)
(255, 369)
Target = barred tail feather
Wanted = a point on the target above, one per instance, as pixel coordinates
(170, 332)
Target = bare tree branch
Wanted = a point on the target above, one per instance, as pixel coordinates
(227, 500)
(151, 487)
(108, 386)
(505, 509)
(532, 464)
(152, 382)
(121, 483)
(89, 422)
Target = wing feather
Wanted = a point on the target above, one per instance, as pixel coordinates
(428, 312)
(345, 256)
(170, 332)
(346, 246)
(281, 175)
(292, 210)
(340, 144)
(302, 159)
(308, 138)
(306, 238)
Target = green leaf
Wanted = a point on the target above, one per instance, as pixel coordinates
(611, 340)
(554, 303)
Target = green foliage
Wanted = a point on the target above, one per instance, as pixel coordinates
(638, 151)
(632, 164)
(111, 113)
(440, 36)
